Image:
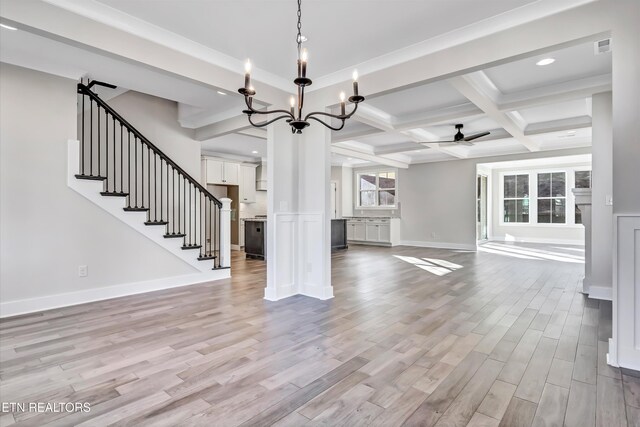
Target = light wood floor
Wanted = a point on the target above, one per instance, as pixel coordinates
(498, 337)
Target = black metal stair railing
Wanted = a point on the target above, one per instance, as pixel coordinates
(113, 151)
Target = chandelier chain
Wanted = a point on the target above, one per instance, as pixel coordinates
(299, 36)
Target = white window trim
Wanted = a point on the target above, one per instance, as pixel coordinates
(533, 197)
(376, 171)
(502, 198)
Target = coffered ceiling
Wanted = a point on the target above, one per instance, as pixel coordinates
(525, 107)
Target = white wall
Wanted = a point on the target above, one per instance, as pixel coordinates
(250, 210)
(537, 233)
(46, 229)
(439, 199)
(157, 120)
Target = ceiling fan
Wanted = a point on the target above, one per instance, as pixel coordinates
(459, 138)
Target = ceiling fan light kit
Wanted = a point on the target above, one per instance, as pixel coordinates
(294, 116)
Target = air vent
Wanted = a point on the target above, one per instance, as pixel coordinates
(602, 46)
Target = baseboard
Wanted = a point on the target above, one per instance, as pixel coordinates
(318, 292)
(276, 294)
(536, 240)
(604, 293)
(439, 245)
(31, 305)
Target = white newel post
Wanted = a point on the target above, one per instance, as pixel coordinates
(583, 201)
(225, 233)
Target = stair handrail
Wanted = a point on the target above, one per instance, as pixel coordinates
(85, 90)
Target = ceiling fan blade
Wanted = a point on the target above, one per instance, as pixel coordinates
(476, 136)
(463, 142)
(434, 142)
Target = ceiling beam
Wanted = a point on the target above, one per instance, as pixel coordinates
(443, 115)
(558, 125)
(64, 22)
(369, 157)
(473, 87)
(341, 137)
(223, 127)
(254, 132)
(398, 148)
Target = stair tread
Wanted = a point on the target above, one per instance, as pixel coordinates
(206, 257)
(91, 177)
(156, 222)
(113, 193)
(136, 209)
(174, 235)
(187, 247)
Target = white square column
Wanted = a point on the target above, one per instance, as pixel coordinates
(298, 211)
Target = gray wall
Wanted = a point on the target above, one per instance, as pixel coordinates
(46, 229)
(438, 199)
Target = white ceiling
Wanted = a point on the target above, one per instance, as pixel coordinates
(420, 99)
(341, 33)
(237, 145)
(572, 63)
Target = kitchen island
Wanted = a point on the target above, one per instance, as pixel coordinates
(255, 237)
(339, 234)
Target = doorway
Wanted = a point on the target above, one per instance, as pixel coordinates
(481, 208)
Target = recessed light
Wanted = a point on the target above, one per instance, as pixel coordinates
(221, 92)
(545, 61)
(8, 27)
(571, 132)
(350, 158)
(254, 152)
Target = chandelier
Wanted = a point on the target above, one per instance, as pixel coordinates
(294, 116)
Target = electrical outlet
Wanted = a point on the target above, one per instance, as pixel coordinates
(83, 271)
(608, 200)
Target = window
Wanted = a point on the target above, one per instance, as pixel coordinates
(583, 180)
(516, 198)
(377, 189)
(552, 198)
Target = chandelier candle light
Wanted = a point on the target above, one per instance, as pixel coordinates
(294, 116)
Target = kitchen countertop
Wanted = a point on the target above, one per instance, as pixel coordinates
(254, 219)
(370, 217)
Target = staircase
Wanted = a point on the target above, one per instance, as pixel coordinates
(123, 172)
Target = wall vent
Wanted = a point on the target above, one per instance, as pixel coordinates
(602, 46)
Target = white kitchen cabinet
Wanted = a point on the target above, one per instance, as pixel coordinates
(351, 227)
(372, 232)
(222, 173)
(215, 171)
(359, 232)
(356, 229)
(231, 173)
(384, 232)
(247, 184)
(375, 231)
